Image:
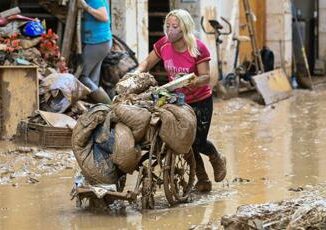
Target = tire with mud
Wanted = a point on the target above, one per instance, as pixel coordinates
(178, 176)
(231, 83)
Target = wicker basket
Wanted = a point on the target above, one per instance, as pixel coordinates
(44, 136)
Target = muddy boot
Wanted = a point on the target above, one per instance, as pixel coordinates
(100, 96)
(219, 166)
(203, 184)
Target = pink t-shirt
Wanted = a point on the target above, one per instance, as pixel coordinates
(181, 63)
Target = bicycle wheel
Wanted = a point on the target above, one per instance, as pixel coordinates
(231, 82)
(178, 176)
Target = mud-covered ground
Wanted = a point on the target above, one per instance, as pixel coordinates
(21, 164)
(274, 153)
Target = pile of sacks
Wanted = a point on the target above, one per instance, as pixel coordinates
(107, 140)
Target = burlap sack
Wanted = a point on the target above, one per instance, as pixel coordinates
(136, 118)
(178, 129)
(125, 155)
(95, 169)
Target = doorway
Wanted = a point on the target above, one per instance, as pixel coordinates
(157, 10)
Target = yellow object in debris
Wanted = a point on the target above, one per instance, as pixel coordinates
(161, 101)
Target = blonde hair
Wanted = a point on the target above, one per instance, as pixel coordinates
(187, 27)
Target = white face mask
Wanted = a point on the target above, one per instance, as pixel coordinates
(174, 34)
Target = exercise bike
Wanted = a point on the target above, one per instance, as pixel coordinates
(230, 81)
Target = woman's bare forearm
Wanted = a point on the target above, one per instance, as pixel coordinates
(201, 80)
(150, 61)
(100, 14)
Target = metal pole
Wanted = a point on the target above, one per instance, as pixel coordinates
(303, 51)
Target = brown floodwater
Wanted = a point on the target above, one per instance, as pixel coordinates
(270, 151)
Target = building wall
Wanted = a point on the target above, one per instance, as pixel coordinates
(130, 23)
(230, 11)
(279, 31)
(322, 29)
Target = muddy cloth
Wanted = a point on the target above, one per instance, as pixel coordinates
(178, 129)
(135, 83)
(10, 29)
(203, 110)
(96, 166)
(103, 139)
(59, 91)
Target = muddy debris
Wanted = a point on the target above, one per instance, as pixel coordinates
(308, 211)
(297, 189)
(240, 180)
(27, 164)
(209, 226)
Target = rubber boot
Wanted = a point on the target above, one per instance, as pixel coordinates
(203, 184)
(219, 166)
(100, 96)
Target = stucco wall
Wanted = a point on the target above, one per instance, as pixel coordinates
(322, 29)
(279, 31)
(130, 23)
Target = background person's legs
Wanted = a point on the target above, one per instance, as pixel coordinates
(93, 56)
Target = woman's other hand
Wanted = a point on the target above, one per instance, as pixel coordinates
(203, 75)
(83, 5)
(100, 14)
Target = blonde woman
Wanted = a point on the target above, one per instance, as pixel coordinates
(182, 53)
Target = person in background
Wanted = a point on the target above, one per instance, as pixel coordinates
(97, 43)
(183, 53)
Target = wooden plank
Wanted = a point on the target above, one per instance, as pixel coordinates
(69, 29)
(258, 7)
(10, 12)
(273, 86)
(19, 96)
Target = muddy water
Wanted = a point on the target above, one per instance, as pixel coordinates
(269, 151)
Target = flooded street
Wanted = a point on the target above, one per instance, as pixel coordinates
(271, 152)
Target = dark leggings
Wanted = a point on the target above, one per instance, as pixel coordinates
(204, 111)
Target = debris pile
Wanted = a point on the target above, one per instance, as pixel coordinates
(306, 212)
(25, 41)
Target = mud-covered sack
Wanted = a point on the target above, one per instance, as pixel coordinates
(178, 128)
(135, 83)
(96, 167)
(125, 154)
(136, 118)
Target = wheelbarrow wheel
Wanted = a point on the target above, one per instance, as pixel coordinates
(178, 176)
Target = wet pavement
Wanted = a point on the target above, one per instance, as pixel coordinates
(272, 152)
